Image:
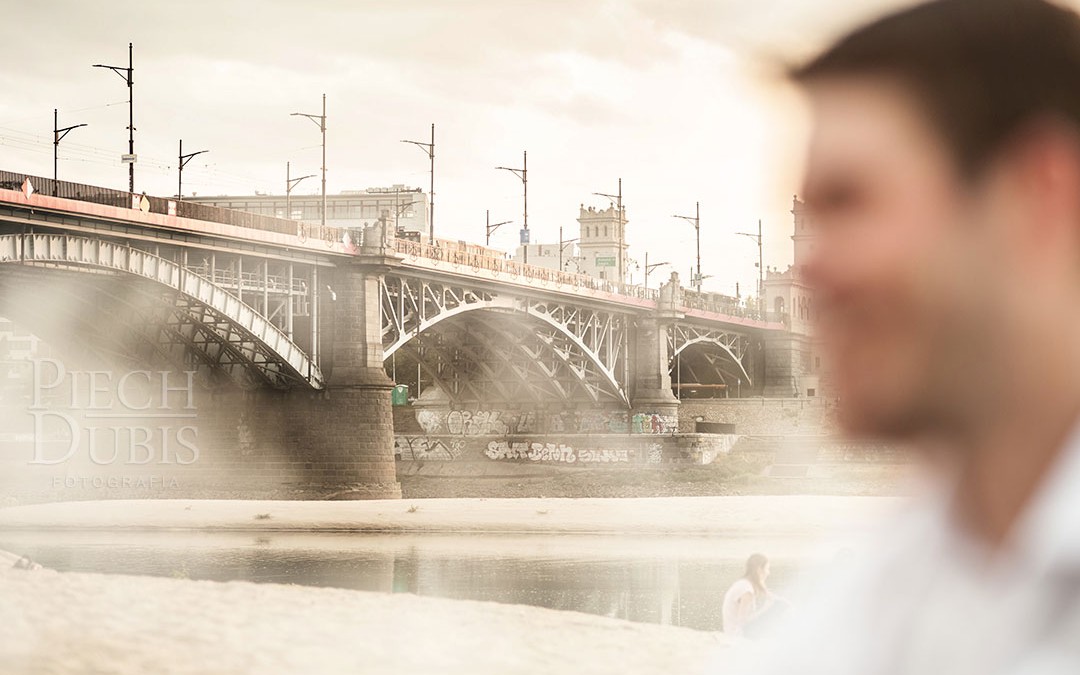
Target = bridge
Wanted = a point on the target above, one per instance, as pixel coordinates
(295, 336)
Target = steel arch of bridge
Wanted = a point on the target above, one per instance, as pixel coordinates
(219, 330)
(588, 344)
(735, 345)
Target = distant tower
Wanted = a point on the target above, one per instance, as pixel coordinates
(786, 293)
(804, 234)
(796, 368)
(602, 235)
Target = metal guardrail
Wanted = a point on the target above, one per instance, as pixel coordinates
(452, 252)
(449, 251)
(118, 198)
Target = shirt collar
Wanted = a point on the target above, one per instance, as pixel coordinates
(1045, 536)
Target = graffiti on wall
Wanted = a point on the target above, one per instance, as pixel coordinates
(605, 455)
(478, 423)
(553, 452)
(654, 423)
(424, 448)
(654, 454)
(603, 422)
(430, 421)
(501, 423)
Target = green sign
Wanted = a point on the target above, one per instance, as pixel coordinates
(400, 395)
(605, 261)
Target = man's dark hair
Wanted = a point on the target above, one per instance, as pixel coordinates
(982, 70)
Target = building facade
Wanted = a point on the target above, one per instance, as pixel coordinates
(599, 250)
(406, 207)
(602, 242)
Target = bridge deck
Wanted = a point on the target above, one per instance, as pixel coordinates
(445, 259)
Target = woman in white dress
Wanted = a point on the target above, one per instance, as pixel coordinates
(749, 597)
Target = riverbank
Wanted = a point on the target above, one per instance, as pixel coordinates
(729, 516)
(748, 474)
(727, 477)
(83, 623)
(77, 622)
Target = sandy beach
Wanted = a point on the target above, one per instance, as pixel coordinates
(86, 623)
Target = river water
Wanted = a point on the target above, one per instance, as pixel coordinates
(658, 579)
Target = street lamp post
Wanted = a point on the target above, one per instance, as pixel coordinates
(489, 227)
(184, 159)
(290, 183)
(127, 74)
(649, 268)
(320, 121)
(429, 148)
(562, 247)
(696, 220)
(761, 270)
(622, 228)
(398, 208)
(58, 135)
(523, 174)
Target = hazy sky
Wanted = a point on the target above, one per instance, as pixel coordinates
(677, 97)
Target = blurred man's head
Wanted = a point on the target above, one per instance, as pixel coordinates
(944, 181)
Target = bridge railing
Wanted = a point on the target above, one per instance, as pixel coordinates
(98, 195)
(458, 254)
(729, 306)
(478, 258)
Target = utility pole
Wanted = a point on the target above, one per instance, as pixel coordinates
(649, 268)
(290, 183)
(562, 246)
(184, 159)
(622, 227)
(320, 121)
(58, 135)
(398, 208)
(523, 174)
(696, 220)
(128, 75)
(760, 265)
(429, 148)
(489, 228)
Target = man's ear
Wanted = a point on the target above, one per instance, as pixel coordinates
(1044, 165)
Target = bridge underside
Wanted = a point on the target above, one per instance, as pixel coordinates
(706, 370)
(492, 355)
(103, 317)
(142, 309)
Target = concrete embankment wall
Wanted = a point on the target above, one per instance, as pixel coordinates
(513, 454)
(511, 442)
(761, 416)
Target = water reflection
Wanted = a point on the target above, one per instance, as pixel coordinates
(666, 580)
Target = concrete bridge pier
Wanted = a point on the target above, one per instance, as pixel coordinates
(349, 427)
(787, 365)
(651, 392)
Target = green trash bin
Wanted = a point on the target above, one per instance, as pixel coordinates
(400, 395)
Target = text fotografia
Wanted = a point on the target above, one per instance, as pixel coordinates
(138, 417)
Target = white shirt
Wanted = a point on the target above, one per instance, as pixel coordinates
(932, 600)
(733, 624)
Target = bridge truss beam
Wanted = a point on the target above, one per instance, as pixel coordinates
(512, 346)
(217, 331)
